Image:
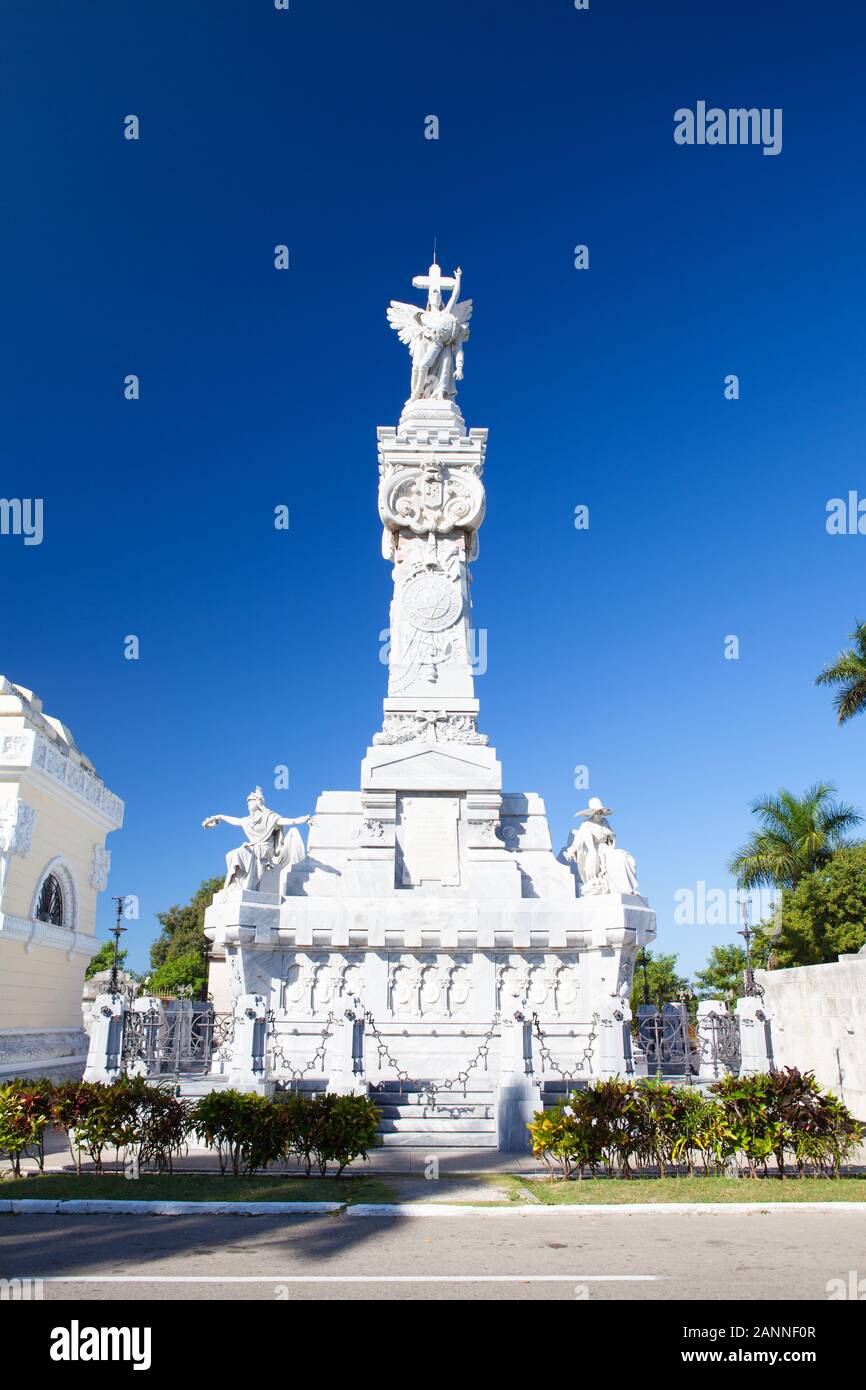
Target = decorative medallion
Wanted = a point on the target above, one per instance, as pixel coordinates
(431, 603)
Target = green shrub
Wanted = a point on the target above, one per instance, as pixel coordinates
(562, 1138)
(328, 1128)
(131, 1115)
(776, 1115)
(134, 1116)
(162, 1122)
(781, 1113)
(593, 1127)
(247, 1131)
(675, 1125)
(701, 1132)
(69, 1105)
(25, 1114)
(109, 1119)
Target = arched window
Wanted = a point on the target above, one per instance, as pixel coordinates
(50, 905)
(55, 898)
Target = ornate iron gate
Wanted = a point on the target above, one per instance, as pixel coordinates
(724, 1039)
(664, 1038)
(178, 1037)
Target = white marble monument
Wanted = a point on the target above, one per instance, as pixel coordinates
(429, 903)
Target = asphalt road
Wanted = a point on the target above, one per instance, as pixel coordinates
(788, 1255)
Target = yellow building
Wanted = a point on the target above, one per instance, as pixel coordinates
(55, 814)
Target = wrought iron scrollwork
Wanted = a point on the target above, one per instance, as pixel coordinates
(724, 1042)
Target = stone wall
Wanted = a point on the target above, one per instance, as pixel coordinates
(818, 1022)
(59, 1053)
(40, 988)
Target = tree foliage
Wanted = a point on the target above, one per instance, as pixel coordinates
(848, 674)
(723, 976)
(183, 927)
(104, 959)
(797, 835)
(825, 915)
(664, 984)
(181, 972)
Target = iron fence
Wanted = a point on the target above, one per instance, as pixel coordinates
(177, 1037)
(663, 1036)
(724, 1043)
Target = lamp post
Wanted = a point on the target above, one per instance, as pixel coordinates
(207, 950)
(116, 931)
(643, 961)
(685, 997)
(746, 933)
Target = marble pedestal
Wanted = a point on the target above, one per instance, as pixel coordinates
(439, 971)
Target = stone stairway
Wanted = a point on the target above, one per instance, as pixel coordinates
(411, 1115)
(557, 1091)
(416, 1118)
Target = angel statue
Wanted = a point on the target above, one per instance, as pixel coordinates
(267, 845)
(434, 336)
(602, 867)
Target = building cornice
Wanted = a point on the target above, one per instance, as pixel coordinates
(25, 750)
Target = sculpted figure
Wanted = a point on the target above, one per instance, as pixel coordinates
(434, 336)
(270, 842)
(602, 867)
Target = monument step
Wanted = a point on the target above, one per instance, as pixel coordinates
(442, 1112)
(442, 1139)
(192, 1084)
(415, 1093)
(421, 1098)
(433, 1125)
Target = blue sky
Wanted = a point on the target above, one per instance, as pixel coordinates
(602, 387)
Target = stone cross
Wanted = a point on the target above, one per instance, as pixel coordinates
(433, 280)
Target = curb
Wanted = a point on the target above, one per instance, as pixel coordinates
(94, 1207)
(45, 1206)
(598, 1208)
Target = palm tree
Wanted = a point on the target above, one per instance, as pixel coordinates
(848, 672)
(797, 834)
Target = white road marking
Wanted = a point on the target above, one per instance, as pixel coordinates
(352, 1279)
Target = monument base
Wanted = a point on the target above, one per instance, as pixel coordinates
(363, 979)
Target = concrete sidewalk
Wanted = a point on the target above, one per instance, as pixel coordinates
(420, 1164)
(381, 1162)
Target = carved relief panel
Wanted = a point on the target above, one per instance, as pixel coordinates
(546, 983)
(429, 986)
(315, 984)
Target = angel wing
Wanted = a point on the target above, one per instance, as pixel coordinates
(406, 320)
(463, 313)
